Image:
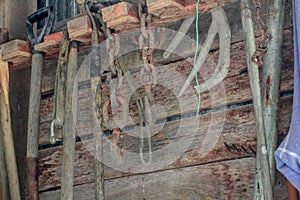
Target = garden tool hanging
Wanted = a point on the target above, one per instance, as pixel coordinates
(60, 87)
(96, 86)
(35, 95)
(62, 116)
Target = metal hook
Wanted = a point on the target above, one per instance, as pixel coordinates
(147, 120)
(52, 133)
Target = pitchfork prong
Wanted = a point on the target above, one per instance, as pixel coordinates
(219, 25)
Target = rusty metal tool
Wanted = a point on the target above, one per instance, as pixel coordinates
(60, 87)
(35, 95)
(181, 33)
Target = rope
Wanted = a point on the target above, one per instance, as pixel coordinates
(195, 57)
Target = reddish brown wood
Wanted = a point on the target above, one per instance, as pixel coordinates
(80, 29)
(205, 5)
(51, 44)
(165, 11)
(238, 134)
(225, 180)
(54, 37)
(18, 53)
(121, 16)
(31, 164)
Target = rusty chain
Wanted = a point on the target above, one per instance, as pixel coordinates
(114, 82)
(148, 71)
(262, 48)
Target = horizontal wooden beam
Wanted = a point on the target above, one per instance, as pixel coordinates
(238, 139)
(18, 53)
(222, 180)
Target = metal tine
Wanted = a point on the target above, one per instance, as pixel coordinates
(185, 26)
(219, 25)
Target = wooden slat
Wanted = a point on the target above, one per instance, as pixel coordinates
(224, 180)
(18, 53)
(87, 191)
(238, 134)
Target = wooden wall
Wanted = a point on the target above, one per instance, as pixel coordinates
(226, 172)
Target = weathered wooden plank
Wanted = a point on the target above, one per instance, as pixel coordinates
(80, 29)
(238, 133)
(238, 130)
(223, 180)
(168, 10)
(18, 53)
(236, 85)
(86, 191)
(51, 44)
(19, 104)
(122, 16)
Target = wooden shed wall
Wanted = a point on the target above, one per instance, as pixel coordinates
(226, 172)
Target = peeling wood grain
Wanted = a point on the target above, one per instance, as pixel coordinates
(86, 191)
(222, 180)
(239, 129)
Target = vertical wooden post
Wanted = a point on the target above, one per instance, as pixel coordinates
(3, 171)
(7, 133)
(69, 133)
(262, 156)
(4, 192)
(34, 125)
(271, 78)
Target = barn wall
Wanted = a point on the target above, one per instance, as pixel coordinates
(226, 172)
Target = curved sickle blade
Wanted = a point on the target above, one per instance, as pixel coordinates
(219, 25)
(185, 26)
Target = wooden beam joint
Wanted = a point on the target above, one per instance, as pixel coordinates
(18, 53)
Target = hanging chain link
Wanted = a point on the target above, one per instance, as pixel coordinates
(148, 71)
(114, 81)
